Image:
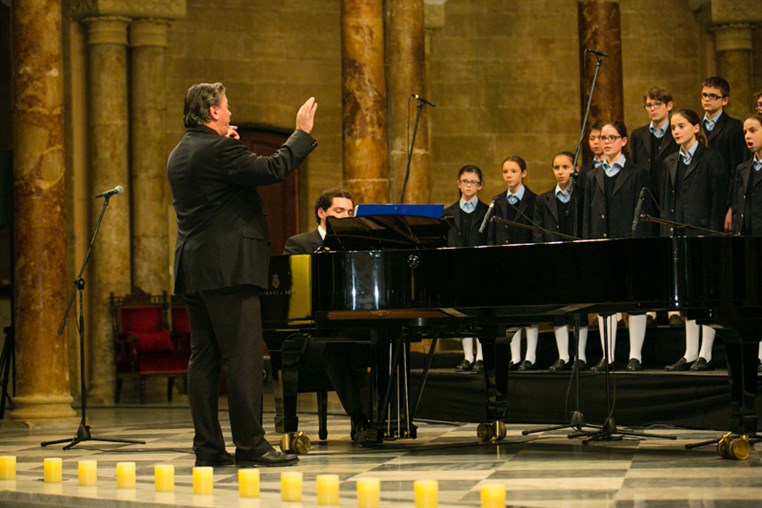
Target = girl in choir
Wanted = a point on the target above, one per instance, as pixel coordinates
(694, 186)
(467, 214)
(560, 211)
(516, 205)
(612, 192)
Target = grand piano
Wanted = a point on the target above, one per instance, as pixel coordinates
(389, 296)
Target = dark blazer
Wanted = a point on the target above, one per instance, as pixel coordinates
(222, 235)
(597, 221)
(303, 243)
(727, 139)
(703, 191)
(546, 215)
(456, 236)
(742, 174)
(499, 234)
(640, 148)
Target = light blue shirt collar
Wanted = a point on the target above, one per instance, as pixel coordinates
(563, 196)
(598, 162)
(709, 123)
(615, 168)
(515, 198)
(659, 132)
(688, 157)
(468, 206)
(756, 164)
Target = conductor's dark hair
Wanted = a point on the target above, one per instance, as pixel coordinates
(325, 200)
(198, 99)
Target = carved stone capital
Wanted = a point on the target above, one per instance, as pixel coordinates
(107, 30)
(434, 14)
(734, 36)
(166, 9)
(149, 32)
(736, 11)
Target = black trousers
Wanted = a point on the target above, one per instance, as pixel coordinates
(226, 327)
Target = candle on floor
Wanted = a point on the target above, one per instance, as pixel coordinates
(248, 482)
(8, 467)
(52, 470)
(426, 493)
(291, 486)
(328, 489)
(88, 473)
(368, 493)
(203, 480)
(164, 477)
(125, 475)
(493, 495)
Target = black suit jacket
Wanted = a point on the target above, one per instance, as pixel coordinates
(546, 215)
(743, 173)
(222, 235)
(499, 234)
(640, 147)
(303, 243)
(598, 222)
(703, 191)
(727, 139)
(456, 236)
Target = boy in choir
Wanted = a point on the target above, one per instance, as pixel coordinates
(693, 192)
(515, 205)
(560, 210)
(596, 147)
(468, 213)
(723, 132)
(746, 200)
(758, 101)
(611, 195)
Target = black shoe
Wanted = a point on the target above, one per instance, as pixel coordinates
(273, 458)
(358, 433)
(634, 365)
(559, 365)
(580, 365)
(650, 320)
(526, 365)
(465, 366)
(478, 366)
(759, 366)
(675, 321)
(601, 366)
(513, 366)
(681, 365)
(701, 365)
(222, 460)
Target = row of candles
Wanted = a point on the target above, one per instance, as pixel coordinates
(368, 489)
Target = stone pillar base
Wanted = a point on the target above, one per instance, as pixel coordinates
(37, 408)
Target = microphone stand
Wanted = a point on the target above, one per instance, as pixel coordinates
(644, 217)
(418, 109)
(83, 432)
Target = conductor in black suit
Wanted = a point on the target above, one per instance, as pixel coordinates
(221, 261)
(331, 203)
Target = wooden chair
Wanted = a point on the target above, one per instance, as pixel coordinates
(143, 342)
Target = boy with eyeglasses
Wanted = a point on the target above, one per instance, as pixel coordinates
(467, 214)
(723, 132)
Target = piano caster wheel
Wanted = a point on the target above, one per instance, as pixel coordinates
(737, 448)
(493, 432)
(295, 442)
(322, 434)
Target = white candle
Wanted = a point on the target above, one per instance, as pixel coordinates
(52, 470)
(248, 482)
(327, 489)
(203, 480)
(426, 493)
(164, 477)
(493, 495)
(368, 493)
(291, 486)
(7, 467)
(125, 475)
(88, 472)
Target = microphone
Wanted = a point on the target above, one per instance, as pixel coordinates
(418, 97)
(116, 190)
(487, 216)
(638, 207)
(601, 54)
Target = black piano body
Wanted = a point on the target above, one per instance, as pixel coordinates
(452, 291)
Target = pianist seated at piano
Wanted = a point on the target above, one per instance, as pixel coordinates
(336, 356)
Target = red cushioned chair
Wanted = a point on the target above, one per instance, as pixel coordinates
(143, 343)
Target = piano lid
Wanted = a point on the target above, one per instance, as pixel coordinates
(392, 227)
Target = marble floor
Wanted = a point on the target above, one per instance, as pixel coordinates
(546, 469)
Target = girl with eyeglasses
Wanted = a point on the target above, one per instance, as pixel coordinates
(612, 192)
(694, 187)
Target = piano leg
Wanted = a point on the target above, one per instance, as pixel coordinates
(496, 358)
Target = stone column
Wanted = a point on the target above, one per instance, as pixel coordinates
(110, 263)
(40, 285)
(407, 75)
(733, 44)
(150, 260)
(366, 170)
(600, 29)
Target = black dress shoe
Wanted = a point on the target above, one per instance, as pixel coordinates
(580, 365)
(759, 366)
(634, 365)
(273, 458)
(478, 366)
(222, 460)
(701, 365)
(601, 366)
(676, 321)
(465, 366)
(513, 366)
(359, 430)
(526, 365)
(681, 365)
(559, 365)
